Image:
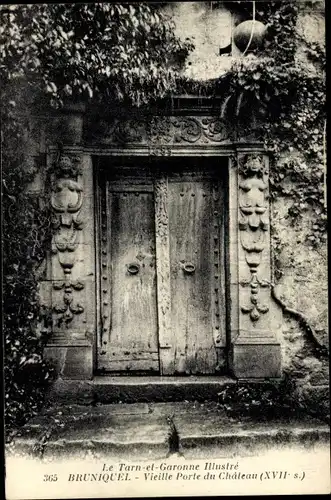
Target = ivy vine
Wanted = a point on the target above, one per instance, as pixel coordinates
(25, 236)
(295, 134)
(281, 92)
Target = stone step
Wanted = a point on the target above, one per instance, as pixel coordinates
(125, 389)
(154, 431)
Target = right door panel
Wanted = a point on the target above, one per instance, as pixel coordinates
(196, 272)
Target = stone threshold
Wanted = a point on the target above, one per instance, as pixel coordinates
(134, 389)
(158, 430)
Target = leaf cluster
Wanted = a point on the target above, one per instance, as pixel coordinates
(264, 401)
(26, 231)
(287, 96)
(126, 52)
(282, 95)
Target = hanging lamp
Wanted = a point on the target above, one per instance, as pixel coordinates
(249, 35)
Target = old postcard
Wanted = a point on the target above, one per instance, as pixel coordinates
(165, 249)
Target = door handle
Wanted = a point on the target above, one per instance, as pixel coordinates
(133, 268)
(189, 268)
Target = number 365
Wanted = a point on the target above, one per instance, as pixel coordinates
(50, 477)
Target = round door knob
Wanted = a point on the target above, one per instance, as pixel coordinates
(133, 268)
(189, 268)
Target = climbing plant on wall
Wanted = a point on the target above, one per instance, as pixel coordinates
(286, 84)
(281, 91)
(119, 51)
(24, 238)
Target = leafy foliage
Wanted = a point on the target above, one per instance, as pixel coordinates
(281, 91)
(260, 401)
(124, 51)
(25, 234)
(271, 399)
(289, 93)
(291, 103)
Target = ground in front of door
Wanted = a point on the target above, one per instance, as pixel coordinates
(142, 431)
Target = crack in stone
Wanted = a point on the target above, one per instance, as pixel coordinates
(173, 437)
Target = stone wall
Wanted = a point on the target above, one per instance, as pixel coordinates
(210, 25)
(304, 280)
(303, 287)
(209, 28)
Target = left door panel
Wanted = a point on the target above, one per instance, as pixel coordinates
(129, 341)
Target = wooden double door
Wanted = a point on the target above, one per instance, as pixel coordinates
(162, 268)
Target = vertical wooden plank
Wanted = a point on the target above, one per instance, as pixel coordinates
(163, 274)
(87, 264)
(133, 324)
(133, 295)
(97, 239)
(233, 279)
(216, 223)
(190, 215)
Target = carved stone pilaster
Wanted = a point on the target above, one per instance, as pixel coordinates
(253, 228)
(67, 310)
(71, 263)
(67, 197)
(255, 345)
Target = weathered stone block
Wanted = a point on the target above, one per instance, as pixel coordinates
(256, 360)
(68, 126)
(71, 362)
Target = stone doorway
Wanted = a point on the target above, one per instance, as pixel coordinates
(79, 268)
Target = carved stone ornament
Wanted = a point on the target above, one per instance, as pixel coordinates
(66, 202)
(253, 226)
(162, 130)
(68, 309)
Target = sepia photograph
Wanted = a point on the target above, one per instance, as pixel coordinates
(164, 240)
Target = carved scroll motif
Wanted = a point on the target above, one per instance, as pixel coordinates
(66, 202)
(253, 226)
(161, 131)
(162, 259)
(199, 130)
